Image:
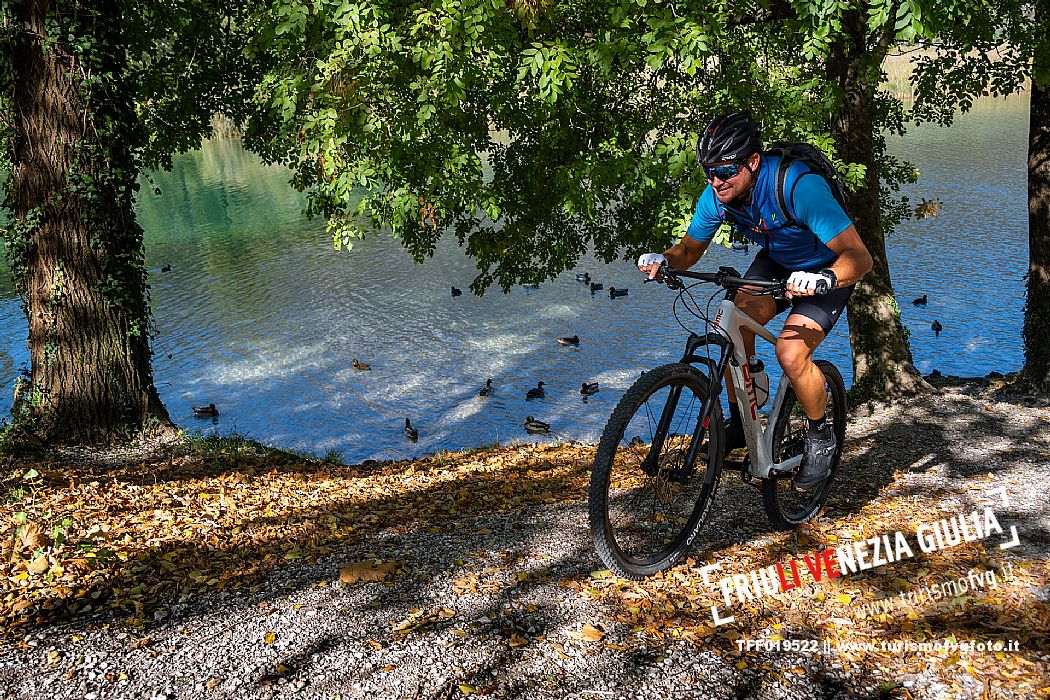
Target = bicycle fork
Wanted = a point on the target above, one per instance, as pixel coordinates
(651, 464)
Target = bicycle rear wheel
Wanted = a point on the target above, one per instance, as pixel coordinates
(786, 506)
(646, 504)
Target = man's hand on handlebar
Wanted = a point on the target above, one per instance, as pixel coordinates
(806, 284)
(650, 263)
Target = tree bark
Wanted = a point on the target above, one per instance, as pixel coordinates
(1036, 372)
(76, 249)
(882, 360)
(1035, 376)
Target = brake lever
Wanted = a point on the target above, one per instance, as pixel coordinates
(660, 276)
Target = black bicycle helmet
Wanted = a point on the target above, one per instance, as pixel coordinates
(730, 137)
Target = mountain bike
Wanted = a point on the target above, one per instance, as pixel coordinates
(660, 458)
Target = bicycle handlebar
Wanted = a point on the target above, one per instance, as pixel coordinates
(726, 277)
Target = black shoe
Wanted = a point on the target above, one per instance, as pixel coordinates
(817, 459)
(734, 436)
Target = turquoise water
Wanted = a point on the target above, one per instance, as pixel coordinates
(260, 315)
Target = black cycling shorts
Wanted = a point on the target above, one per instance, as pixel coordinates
(823, 309)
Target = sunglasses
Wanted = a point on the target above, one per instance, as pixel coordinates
(723, 172)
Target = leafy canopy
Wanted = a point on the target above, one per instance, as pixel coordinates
(532, 130)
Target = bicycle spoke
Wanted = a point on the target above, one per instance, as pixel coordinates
(649, 509)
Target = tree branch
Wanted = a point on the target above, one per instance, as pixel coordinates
(778, 10)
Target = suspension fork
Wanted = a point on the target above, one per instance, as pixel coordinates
(651, 463)
(714, 391)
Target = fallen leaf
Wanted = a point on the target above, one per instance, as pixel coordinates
(269, 637)
(589, 633)
(367, 571)
(31, 536)
(39, 565)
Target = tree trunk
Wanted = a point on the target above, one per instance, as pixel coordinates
(1036, 373)
(882, 361)
(75, 247)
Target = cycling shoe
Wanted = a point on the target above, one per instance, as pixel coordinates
(817, 458)
(734, 437)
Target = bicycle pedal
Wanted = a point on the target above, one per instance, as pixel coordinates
(733, 465)
(745, 473)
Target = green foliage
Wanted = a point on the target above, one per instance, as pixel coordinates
(533, 136)
(532, 130)
(536, 131)
(991, 53)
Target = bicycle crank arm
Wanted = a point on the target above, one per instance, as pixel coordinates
(786, 468)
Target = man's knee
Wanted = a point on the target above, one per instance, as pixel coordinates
(795, 346)
(793, 357)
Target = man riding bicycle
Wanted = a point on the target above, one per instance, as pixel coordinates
(817, 244)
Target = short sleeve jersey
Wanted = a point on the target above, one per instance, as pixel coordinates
(762, 222)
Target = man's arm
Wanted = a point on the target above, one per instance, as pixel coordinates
(854, 260)
(681, 255)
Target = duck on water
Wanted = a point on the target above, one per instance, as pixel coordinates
(537, 393)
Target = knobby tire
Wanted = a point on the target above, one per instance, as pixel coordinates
(615, 443)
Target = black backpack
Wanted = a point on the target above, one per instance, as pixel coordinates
(814, 158)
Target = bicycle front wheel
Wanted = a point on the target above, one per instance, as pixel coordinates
(786, 506)
(647, 502)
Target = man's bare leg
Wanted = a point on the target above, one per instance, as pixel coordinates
(795, 346)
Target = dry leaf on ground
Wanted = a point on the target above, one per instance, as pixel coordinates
(589, 633)
(367, 571)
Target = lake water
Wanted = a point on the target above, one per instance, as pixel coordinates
(261, 316)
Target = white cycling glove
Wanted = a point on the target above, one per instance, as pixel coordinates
(814, 282)
(646, 259)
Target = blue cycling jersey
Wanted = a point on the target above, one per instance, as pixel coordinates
(761, 221)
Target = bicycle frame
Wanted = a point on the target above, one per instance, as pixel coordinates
(725, 333)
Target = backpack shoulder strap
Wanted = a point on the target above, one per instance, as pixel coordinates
(781, 182)
(785, 199)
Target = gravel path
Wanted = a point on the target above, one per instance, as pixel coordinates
(492, 610)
